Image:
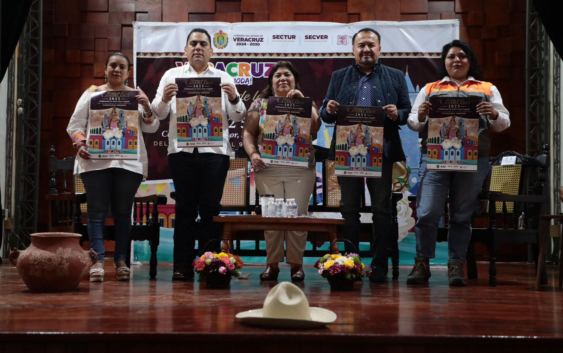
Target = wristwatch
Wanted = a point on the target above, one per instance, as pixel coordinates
(235, 101)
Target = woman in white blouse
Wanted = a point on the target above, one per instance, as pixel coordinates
(110, 182)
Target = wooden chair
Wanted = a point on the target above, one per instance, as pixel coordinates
(61, 204)
(67, 210)
(532, 198)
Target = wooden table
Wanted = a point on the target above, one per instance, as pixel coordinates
(244, 223)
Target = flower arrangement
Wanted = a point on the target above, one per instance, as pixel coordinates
(348, 267)
(211, 264)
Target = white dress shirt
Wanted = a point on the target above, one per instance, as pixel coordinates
(501, 123)
(234, 112)
(79, 124)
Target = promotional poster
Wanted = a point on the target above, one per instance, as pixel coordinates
(287, 131)
(113, 126)
(453, 134)
(199, 113)
(359, 141)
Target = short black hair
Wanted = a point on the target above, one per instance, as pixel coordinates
(474, 69)
(119, 54)
(367, 30)
(199, 30)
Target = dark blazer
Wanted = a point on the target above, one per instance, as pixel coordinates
(342, 89)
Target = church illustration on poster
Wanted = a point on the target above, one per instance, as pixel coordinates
(453, 140)
(112, 132)
(286, 137)
(199, 123)
(359, 149)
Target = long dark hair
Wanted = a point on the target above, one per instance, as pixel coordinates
(474, 69)
(269, 90)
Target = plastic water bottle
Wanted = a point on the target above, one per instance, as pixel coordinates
(271, 209)
(289, 210)
(521, 221)
(262, 207)
(284, 210)
(279, 205)
(292, 208)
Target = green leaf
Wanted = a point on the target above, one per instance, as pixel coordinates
(401, 180)
(409, 170)
(408, 187)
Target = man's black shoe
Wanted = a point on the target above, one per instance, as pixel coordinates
(377, 275)
(182, 274)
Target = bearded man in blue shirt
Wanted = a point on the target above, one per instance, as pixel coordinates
(369, 83)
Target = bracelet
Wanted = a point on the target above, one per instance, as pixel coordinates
(148, 117)
(235, 101)
(149, 120)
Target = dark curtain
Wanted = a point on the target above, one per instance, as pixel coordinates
(13, 16)
(550, 12)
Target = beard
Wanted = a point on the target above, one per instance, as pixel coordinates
(367, 60)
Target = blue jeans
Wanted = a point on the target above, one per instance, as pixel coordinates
(115, 187)
(199, 179)
(352, 190)
(433, 189)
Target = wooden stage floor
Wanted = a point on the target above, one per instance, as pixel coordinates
(165, 316)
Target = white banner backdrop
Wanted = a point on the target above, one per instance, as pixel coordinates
(297, 37)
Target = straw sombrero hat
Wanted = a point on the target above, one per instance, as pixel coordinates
(287, 307)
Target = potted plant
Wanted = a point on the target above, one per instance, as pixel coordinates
(341, 271)
(216, 270)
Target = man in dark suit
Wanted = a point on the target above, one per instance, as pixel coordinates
(369, 83)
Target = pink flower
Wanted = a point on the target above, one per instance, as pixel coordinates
(199, 265)
(231, 267)
(209, 255)
(222, 270)
(320, 270)
(226, 261)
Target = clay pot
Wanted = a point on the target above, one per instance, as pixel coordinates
(54, 262)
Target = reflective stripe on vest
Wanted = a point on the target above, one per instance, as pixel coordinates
(467, 86)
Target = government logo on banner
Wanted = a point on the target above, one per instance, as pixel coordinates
(341, 40)
(220, 40)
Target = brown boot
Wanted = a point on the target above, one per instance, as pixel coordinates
(420, 272)
(455, 274)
